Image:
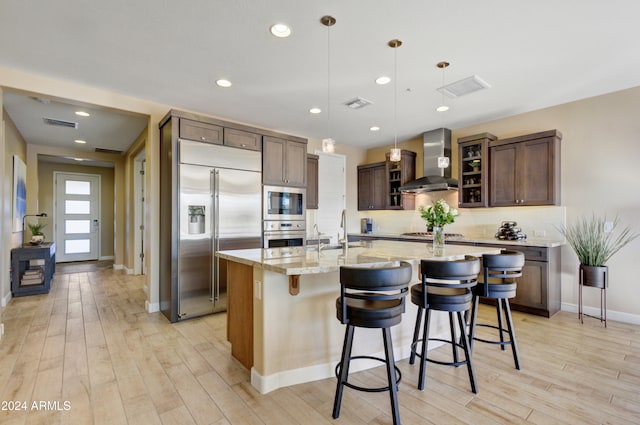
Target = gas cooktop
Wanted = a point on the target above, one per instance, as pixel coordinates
(429, 235)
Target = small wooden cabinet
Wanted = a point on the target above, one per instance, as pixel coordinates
(473, 166)
(242, 139)
(372, 192)
(284, 162)
(312, 181)
(200, 131)
(398, 174)
(525, 170)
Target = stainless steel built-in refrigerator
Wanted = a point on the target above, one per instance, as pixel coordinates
(219, 205)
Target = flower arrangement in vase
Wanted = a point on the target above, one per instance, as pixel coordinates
(437, 215)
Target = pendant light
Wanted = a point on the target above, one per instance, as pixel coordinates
(395, 155)
(328, 144)
(443, 107)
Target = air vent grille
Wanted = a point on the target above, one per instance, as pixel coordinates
(60, 123)
(463, 87)
(357, 103)
(112, 151)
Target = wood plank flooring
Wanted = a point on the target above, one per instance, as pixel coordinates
(90, 344)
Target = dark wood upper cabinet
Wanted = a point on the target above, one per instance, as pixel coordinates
(372, 192)
(284, 162)
(473, 166)
(312, 181)
(398, 174)
(525, 170)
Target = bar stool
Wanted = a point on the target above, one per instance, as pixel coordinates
(498, 282)
(446, 286)
(371, 298)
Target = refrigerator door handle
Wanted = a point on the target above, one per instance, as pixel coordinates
(215, 290)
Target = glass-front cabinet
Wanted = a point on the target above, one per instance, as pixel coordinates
(473, 166)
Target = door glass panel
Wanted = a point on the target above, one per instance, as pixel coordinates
(77, 207)
(75, 187)
(77, 226)
(77, 246)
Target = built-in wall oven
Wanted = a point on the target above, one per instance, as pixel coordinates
(284, 233)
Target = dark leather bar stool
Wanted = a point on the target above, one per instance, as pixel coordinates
(371, 298)
(446, 286)
(498, 282)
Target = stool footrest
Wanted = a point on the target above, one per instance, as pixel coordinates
(488, 341)
(456, 364)
(367, 389)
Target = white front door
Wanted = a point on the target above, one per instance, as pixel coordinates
(77, 216)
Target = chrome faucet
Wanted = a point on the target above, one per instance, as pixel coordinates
(344, 241)
(320, 245)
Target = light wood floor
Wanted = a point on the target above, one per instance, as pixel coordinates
(89, 342)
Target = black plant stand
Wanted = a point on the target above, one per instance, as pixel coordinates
(597, 277)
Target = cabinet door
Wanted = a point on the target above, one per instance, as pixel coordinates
(242, 139)
(295, 164)
(379, 193)
(273, 160)
(312, 182)
(200, 131)
(537, 173)
(532, 286)
(371, 187)
(504, 190)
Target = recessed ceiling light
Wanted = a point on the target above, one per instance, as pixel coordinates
(442, 108)
(315, 110)
(79, 159)
(374, 128)
(223, 83)
(81, 142)
(280, 30)
(382, 80)
(83, 113)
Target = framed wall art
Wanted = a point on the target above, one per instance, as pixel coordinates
(19, 192)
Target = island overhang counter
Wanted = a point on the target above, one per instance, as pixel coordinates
(281, 318)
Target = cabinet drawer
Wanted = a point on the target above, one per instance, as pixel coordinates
(201, 132)
(242, 139)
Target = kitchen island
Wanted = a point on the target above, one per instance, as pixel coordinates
(281, 320)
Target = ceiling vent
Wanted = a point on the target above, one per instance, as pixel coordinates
(112, 151)
(464, 86)
(60, 123)
(357, 103)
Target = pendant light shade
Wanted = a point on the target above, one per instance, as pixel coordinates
(395, 154)
(443, 107)
(328, 144)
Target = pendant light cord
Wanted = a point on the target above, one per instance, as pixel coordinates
(329, 81)
(395, 97)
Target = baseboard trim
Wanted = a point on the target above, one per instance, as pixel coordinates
(118, 266)
(6, 299)
(128, 270)
(151, 307)
(105, 257)
(618, 316)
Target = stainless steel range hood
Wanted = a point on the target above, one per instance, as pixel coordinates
(435, 144)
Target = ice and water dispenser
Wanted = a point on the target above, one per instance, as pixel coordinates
(196, 219)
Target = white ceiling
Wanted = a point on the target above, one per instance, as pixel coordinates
(534, 54)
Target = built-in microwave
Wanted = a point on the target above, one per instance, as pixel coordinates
(284, 203)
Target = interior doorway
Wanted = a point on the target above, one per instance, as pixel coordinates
(77, 216)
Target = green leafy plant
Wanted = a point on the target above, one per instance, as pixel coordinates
(590, 242)
(438, 214)
(36, 229)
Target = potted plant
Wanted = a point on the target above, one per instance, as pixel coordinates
(37, 237)
(437, 215)
(595, 241)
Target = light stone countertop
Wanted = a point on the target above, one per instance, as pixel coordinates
(533, 242)
(301, 261)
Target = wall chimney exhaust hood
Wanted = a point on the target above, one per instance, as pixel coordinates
(436, 144)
